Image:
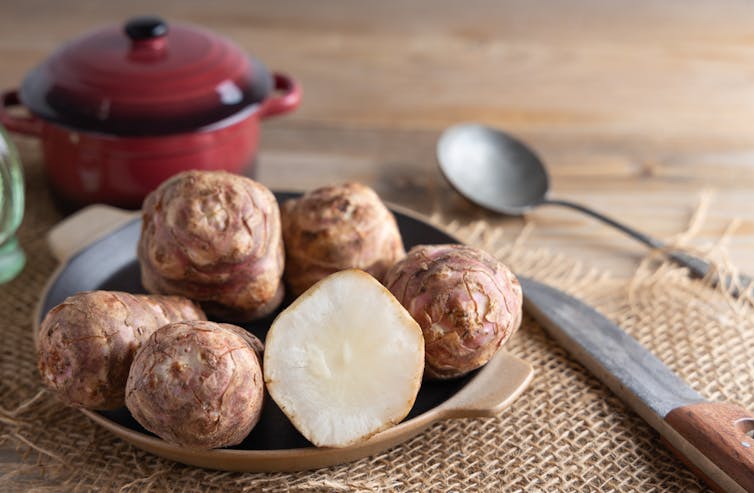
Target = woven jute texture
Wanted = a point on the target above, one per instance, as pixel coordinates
(567, 432)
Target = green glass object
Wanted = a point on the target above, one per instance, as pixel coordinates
(12, 258)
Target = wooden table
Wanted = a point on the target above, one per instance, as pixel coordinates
(639, 108)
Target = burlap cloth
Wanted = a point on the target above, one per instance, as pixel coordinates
(567, 432)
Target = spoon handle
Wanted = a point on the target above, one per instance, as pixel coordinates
(696, 266)
(736, 285)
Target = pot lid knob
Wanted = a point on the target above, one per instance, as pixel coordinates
(146, 28)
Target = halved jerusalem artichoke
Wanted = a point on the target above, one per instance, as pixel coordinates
(345, 360)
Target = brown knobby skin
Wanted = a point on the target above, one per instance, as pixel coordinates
(214, 237)
(335, 228)
(86, 344)
(197, 384)
(467, 303)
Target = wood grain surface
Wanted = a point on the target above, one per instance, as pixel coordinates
(639, 108)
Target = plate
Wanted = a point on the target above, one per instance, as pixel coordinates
(109, 262)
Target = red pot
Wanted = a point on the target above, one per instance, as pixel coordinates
(120, 110)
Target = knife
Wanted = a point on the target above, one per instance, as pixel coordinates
(715, 439)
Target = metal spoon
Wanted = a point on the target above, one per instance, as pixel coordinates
(498, 172)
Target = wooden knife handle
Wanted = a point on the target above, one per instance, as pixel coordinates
(724, 434)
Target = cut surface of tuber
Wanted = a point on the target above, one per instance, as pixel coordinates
(345, 360)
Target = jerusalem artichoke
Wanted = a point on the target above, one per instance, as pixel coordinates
(86, 344)
(467, 303)
(214, 237)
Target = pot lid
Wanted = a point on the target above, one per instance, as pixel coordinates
(146, 78)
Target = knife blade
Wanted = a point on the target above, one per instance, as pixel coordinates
(716, 440)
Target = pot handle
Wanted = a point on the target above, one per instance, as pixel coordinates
(284, 103)
(25, 125)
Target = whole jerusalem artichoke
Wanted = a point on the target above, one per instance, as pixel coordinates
(336, 228)
(197, 384)
(214, 237)
(467, 303)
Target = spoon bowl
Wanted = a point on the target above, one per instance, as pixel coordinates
(492, 169)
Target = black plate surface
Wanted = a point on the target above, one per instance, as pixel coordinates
(111, 264)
